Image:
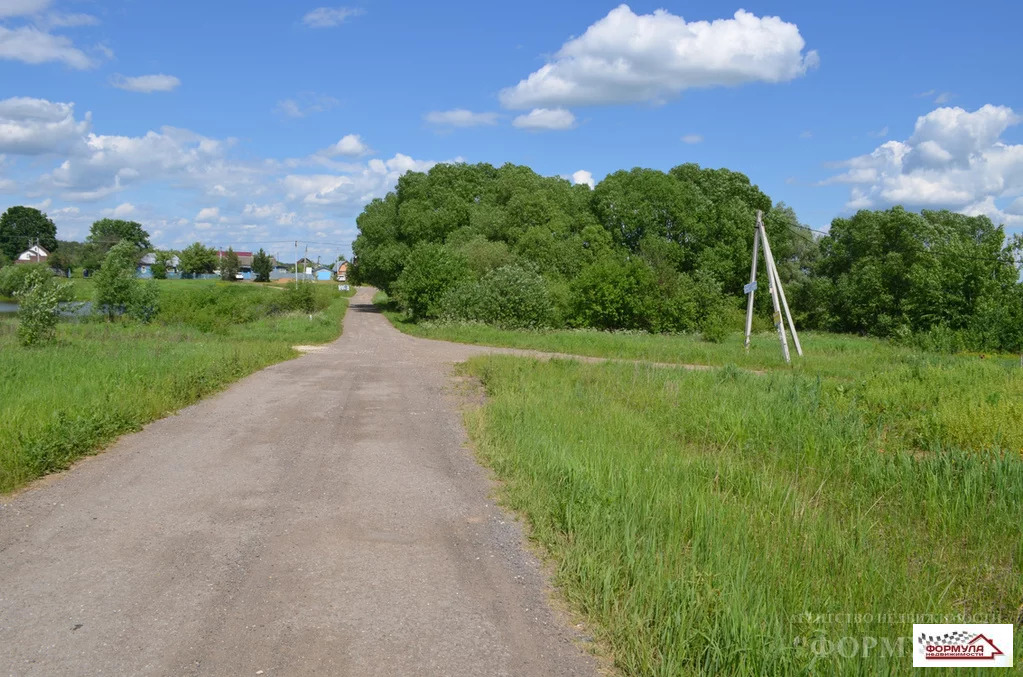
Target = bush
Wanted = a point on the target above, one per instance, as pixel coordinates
(509, 297)
(13, 278)
(613, 295)
(39, 307)
(430, 271)
(298, 296)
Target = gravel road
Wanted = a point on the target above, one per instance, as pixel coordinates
(320, 517)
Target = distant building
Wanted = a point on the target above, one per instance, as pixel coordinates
(323, 274)
(146, 263)
(341, 271)
(34, 254)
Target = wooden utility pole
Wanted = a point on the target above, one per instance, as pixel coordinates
(778, 299)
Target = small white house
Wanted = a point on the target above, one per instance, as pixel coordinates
(34, 254)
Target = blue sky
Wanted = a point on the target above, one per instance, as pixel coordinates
(256, 123)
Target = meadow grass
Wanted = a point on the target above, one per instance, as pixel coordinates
(725, 522)
(101, 379)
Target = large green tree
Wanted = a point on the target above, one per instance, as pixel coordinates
(21, 227)
(897, 271)
(197, 259)
(105, 233)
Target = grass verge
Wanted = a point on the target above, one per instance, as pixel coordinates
(101, 380)
(728, 523)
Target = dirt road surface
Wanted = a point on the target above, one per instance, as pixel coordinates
(320, 517)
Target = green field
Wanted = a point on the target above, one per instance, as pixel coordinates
(101, 379)
(780, 521)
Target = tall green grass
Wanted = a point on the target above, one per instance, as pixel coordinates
(101, 380)
(725, 522)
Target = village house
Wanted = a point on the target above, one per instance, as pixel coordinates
(146, 263)
(34, 254)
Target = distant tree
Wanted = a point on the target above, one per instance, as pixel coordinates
(115, 282)
(229, 265)
(160, 265)
(61, 261)
(117, 288)
(21, 227)
(105, 233)
(39, 305)
(262, 266)
(198, 260)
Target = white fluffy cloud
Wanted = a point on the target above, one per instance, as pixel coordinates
(121, 211)
(352, 189)
(208, 214)
(626, 57)
(145, 84)
(36, 126)
(328, 17)
(203, 192)
(350, 145)
(460, 117)
(33, 46)
(105, 164)
(955, 159)
(584, 177)
(692, 138)
(541, 119)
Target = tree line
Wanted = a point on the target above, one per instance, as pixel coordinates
(670, 252)
(21, 227)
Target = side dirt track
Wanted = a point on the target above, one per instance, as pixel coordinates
(321, 516)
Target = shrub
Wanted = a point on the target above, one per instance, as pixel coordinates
(13, 278)
(613, 295)
(298, 296)
(39, 307)
(510, 297)
(430, 271)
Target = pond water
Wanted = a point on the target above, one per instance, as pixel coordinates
(6, 307)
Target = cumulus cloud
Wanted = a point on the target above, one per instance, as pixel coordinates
(692, 138)
(626, 58)
(540, 119)
(460, 117)
(105, 164)
(208, 214)
(35, 126)
(145, 84)
(243, 201)
(955, 159)
(276, 213)
(355, 188)
(584, 177)
(121, 211)
(350, 145)
(33, 46)
(328, 17)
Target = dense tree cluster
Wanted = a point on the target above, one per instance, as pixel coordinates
(645, 250)
(670, 251)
